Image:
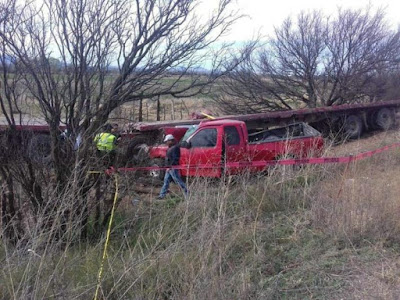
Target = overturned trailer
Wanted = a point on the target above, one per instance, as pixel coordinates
(349, 120)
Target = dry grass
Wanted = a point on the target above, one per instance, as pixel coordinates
(321, 232)
(363, 201)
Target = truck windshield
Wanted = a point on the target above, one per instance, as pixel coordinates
(189, 132)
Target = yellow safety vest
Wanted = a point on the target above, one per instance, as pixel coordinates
(105, 141)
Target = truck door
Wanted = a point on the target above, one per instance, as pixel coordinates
(233, 147)
(205, 149)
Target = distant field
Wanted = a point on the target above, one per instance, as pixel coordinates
(129, 112)
(171, 108)
(182, 109)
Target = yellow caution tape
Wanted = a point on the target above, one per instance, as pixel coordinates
(107, 239)
(208, 116)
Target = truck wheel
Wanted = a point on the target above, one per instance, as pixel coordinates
(353, 127)
(137, 151)
(157, 174)
(385, 118)
(39, 149)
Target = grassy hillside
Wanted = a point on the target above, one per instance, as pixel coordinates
(321, 232)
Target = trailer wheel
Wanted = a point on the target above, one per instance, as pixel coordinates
(353, 127)
(137, 151)
(385, 118)
(39, 149)
(157, 174)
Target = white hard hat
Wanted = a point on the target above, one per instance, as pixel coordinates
(169, 137)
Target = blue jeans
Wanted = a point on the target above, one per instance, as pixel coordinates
(172, 175)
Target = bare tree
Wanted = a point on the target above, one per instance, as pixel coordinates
(143, 39)
(315, 60)
(11, 93)
(80, 60)
(360, 46)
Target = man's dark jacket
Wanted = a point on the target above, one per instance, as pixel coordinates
(173, 155)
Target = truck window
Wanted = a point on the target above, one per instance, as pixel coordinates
(231, 135)
(189, 132)
(204, 138)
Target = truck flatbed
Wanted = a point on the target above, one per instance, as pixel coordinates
(279, 117)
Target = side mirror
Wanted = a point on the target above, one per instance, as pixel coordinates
(186, 144)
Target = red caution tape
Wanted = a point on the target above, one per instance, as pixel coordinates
(265, 163)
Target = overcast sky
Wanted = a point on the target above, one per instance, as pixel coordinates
(264, 14)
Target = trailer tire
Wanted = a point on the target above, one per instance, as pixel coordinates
(39, 149)
(137, 151)
(353, 127)
(385, 118)
(157, 174)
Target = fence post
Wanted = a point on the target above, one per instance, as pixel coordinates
(158, 108)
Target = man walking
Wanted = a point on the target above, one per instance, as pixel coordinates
(172, 159)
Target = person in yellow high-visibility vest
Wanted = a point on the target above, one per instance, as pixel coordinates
(106, 143)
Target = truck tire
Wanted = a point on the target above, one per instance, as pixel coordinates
(157, 174)
(385, 118)
(353, 127)
(39, 149)
(137, 151)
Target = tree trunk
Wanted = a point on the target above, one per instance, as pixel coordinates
(11, 219)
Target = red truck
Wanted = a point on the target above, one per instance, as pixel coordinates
(218, 143)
